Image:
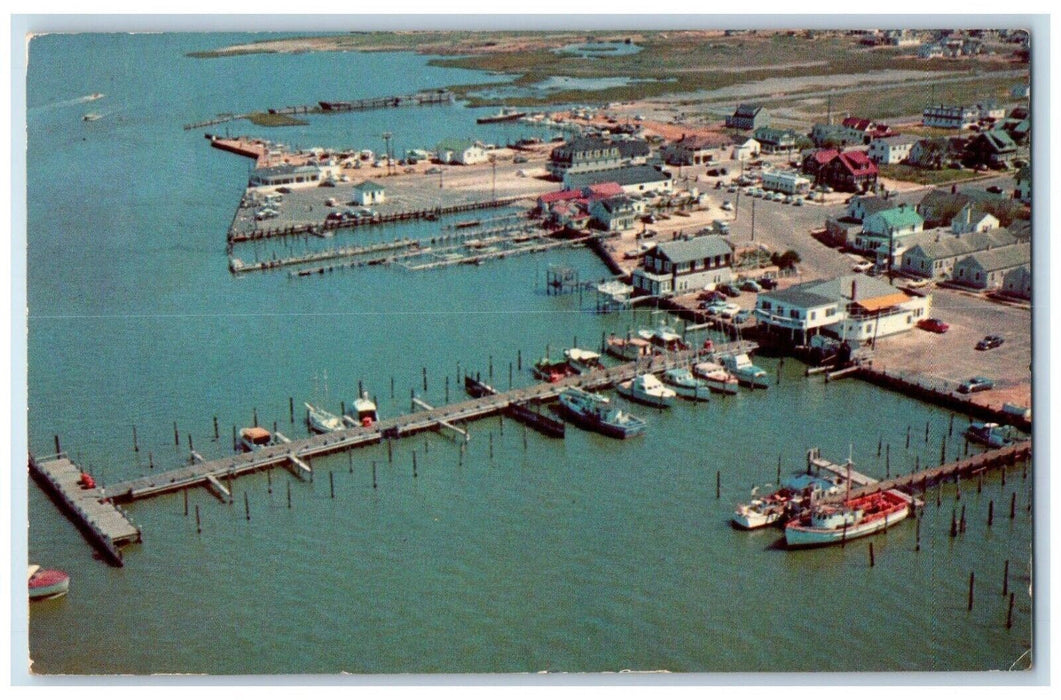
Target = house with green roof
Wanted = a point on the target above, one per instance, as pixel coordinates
(460, 152)
(368, 192)
(885, 230)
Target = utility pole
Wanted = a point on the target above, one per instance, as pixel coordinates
(493, 178)
(753, 221)
(390, 160)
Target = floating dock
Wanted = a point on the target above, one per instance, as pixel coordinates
(103, 524)
(290, 454)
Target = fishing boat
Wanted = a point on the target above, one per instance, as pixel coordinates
(856, 517)
(747, 374)
(990, 434)
(549, 371)
(45, 584)
(251, 439)
(91, 116)
(321, 421)
(595, 412)
(647, 389)
(628, 348)
(664, 338)
(686, 385)
(362, 412)
(718, 379)
(336, 106)
(583, 361)
(505, 115)
(796, 493)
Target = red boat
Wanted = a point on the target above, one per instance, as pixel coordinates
(47, 583)
(856, 517)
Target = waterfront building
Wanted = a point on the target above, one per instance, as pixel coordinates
(368, 193)
(776, 140)
(855, 308)
(634, 179)
(933, 253)
(746, 151)
(680, 267)
(285, 175)
(888, 150)
(986, 270)
(615, 213)
(748, 117)
(592, 153)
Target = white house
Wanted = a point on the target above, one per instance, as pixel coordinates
(887, 230)
(679, 267)
(368, 193)
(747, 150)
(289, 175)
(891, 149)
(972, 219)
(855, 308)
(614, 213)
(933, 253)
(461, 152)
(634, 179)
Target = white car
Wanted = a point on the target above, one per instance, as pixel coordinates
(727, 206)
(864, 266)
(730, 310)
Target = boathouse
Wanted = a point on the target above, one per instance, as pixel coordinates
(680, 267)
(277, 175)
(368, 192)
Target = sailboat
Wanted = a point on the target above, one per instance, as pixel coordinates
(320, 420)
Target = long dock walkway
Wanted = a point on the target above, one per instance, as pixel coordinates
(290, 454)
(103, 524)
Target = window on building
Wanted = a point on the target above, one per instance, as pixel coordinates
(830, 312)
(765, 305)
(794, 313)
(813, 315)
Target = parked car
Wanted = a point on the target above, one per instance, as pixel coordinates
(713, 296)
(433, 171)
(864, 266)
(751, 286)
(742, 316)
(994, 189)
(767, 282)
(933, 324)
(797, 202)
(976, 384)
(715, 308)
(727, 206)
(519, 159)
(729, 310)
(729, 290)
(989, 342)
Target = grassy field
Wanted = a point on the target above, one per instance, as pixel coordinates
(267, 119)
(908, 173)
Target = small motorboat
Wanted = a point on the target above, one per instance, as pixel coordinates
(990, 434)
(363, 412)
(45, 584)
(718, 379)
(596, 412)
(687, 386)
(647, 389)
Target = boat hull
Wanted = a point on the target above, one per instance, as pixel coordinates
(694, 393)
(633, 394)
(591, 423)
(799, 536)
(748, 519)
(47, 584)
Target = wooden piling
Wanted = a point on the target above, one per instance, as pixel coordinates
(888, 460)
(198, 522)
(880, 441)
(1005, 578)
(392, 386)
(979, 483)
(217, 434)
(491, 446)
(291, 409)
(58, 449)
(191, 447)
(390, 453)
(961, 521)
(1009, 612)
(871, 560)
(447, 388)
(331, 483)
(414, 464)
(778, 482)
(990, 512)
(908, 437)
(423, 371)
(972, 583)
(255, 417)
(136, 447)
(185, 492)
(373, 473)
(942, 451)
(269, 480)
(176, 435)
(953, 524)
(288, 495)
(718, 484)
(1013, 505)
(1003, 476)
(510, 376)
(926, 432)
(917, 534)
(246, 506)
(490, 368)
(519, 354)
(150, 460)
(950, 427)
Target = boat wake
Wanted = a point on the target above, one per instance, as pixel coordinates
(73, 102)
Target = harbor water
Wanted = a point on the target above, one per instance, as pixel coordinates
(518, 554)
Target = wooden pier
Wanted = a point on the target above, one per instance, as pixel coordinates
(290, 454)
(102, 523)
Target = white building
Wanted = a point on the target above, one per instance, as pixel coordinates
(680, 267)
(285, 175)
(987, 270)
(891, 149)
(972, 219)
(368, 192)
(747, 150)
(634, 179)
(855, 308)
(787, 181)
(458, 152)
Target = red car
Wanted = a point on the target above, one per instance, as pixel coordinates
(933, 324)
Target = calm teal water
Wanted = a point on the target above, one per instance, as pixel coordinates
(579, 555)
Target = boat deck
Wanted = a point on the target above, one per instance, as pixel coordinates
(289, 454)
(103, 523)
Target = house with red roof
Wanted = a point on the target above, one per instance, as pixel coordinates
(847, 171)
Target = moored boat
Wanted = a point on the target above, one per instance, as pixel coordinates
(718, 379)
(321, 421)
(990, 434)
(747, 374)
(583, 361)
(647, 389)
(686, 385)
(664, 338)
(796, 493)
(47, 583)
(505, 115)
(362, 412)
(628, 348)
(552, 371)
(595, 412)
(856, 517)
(251, 439)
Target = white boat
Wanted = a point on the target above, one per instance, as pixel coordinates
(747, 374)
(686, 385)
(649, 390)
(91, 116)
(628, 348)
(251, 439)
(45, 584)
(596, 412)
(990, 434)
(362, 412)
(718, 379)
(797, 492)
(858, 517)
(321, 421)
(583, 361)
(664, 338)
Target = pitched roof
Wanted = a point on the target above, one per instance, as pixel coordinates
(899, 217)
(603, 189)
(857, 123)
(1000, 258)
(858, 163)
(631, 175)
(616, 204)
(936, 244)
(818, 292)
(369, 186)
(693, 249)
(871, 204)
(747, 110)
